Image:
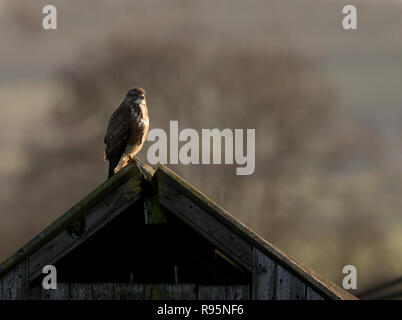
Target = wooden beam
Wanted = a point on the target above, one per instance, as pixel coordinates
(218, 253)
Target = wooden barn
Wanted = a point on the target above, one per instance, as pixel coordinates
(146, 234)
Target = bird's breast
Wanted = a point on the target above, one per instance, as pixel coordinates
(139, 114)
(139, 124)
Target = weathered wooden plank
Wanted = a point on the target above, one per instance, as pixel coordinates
(240, 292)
(209, 227)
(263, 287)
(80, 291)
(313, 295)
(61, 293)
(117, 291)
(211, 293)
(102, 291)
(15, 283)
(170, 292)
(82, 229)
(128, 291)
(44, 256)
(90, 291)
(237, 292)
(288, 286)
(94, 291)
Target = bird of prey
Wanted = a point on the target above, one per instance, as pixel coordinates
(127, 130)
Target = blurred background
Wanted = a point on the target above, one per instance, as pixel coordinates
(325, 103)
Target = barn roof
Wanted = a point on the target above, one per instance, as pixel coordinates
(172, 187)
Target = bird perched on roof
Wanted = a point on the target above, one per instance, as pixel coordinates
(127, 130)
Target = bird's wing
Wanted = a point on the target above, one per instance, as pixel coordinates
(117, 134)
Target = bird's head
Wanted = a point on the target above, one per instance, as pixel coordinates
(135, 95)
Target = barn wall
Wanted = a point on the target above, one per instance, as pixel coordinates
(288, 286)
(14, 285)
(272, 281)
(263, 276)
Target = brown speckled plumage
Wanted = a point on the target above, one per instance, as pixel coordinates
(127, 130)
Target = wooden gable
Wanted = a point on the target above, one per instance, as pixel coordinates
(151, 235)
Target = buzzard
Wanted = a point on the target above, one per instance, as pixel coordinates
(127, 130)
